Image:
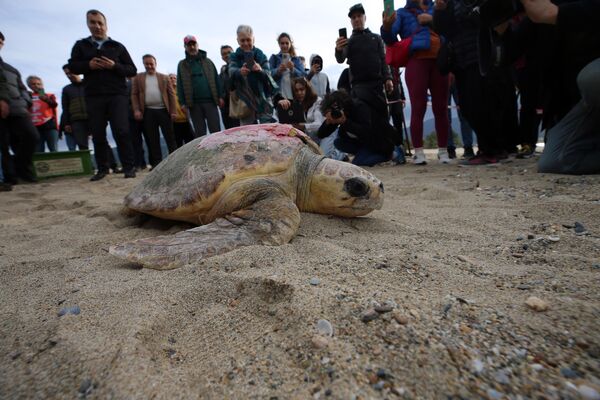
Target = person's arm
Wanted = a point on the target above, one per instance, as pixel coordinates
(124, 65)
(314, 118)
(391, 28)
(49, 99)
(341, 49)
(25, 94)
(327, 89)
(171, 97)
(180, 94)
(78, 64)
(326, 129)
(443, 18)
(135, 93)
(298, 68)
(65, 117)
(385, 69)
(274, 66)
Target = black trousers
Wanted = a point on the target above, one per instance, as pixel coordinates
(114, 109)
(183, 133)
(137, 141)
(153, 119)
(489, 105)
(17, 133)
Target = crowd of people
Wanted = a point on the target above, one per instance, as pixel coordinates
(455, 51)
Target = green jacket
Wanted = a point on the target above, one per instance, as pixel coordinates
(185, 91)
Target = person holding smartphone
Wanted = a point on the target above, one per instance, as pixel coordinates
(285, 66)
(251, 78)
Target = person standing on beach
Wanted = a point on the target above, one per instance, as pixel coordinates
(17, 132)
(105, 63)
(153, 102)
(43, 114)
(199, 88)
(73, 121)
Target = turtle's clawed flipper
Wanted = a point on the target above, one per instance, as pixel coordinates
(271, 218)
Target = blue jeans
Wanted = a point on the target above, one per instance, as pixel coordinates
(362, 155)
(48, 137)
(573, 145)
(328, 147)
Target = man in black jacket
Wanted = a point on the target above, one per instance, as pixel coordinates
(17, 132)
(568, 32)
(365, 53)
(105, 63)
(362, 132)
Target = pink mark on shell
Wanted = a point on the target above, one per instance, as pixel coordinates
(253, 133)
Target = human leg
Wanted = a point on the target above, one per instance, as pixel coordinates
(23, 136)
(152, 136)
(97, 109)
(417, 82)
(211, 114)
(573, 145)
(439, 88)
(198, 120)
(80, 134)
(166, 127)
(119, 124)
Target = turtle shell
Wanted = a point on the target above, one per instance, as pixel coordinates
(189, 181)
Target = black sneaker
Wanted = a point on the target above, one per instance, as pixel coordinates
(99, 175)
(130, 173)
(468, 153)
(527, 151)
(451, 153)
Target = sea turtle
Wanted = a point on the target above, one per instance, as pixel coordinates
(244, 186)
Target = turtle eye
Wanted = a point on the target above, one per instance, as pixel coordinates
(356, 187)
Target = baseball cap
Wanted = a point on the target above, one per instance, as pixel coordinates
(356, 8)
(189, 38)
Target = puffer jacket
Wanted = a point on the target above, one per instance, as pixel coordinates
(19, 98)
(407, 25)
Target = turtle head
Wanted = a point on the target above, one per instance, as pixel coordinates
(343, 189)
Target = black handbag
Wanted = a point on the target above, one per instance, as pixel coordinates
(445, 58)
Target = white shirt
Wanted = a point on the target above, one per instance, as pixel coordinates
(153, 96)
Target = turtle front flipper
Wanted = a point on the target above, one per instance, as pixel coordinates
(272, 219)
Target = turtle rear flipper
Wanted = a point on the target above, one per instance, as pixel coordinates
(271, 220)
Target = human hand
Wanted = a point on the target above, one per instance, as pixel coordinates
(541, 11)
(221, 103)
(244, 70)
(95, 63)
(388, 21)
(290, 65)
(282, 68)
(256, 67)
(340, 43)
(138, 115)
(4, 109)
(285, 104)
(330, 120)
(315, 68)
(173, 117)
(424, 19)
(440, 5)
(107, 63)
(389, 86)
(68, 129)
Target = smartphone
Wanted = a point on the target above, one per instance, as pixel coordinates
(343, 33)
(388, 7)
(285, 58)
(249, 59)
(41, 92)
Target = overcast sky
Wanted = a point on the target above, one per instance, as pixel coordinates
(40, 33)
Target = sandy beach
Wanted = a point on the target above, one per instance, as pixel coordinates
(425, 298)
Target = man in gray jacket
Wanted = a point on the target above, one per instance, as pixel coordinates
(17, 132)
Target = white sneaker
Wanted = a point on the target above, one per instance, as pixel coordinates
(419, 157)
(443, 156)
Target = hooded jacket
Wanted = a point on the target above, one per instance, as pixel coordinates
(19, 99)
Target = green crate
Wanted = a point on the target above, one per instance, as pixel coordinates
(62, 163)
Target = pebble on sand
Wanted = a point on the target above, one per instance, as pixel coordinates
(536, 304)
(319, 342)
